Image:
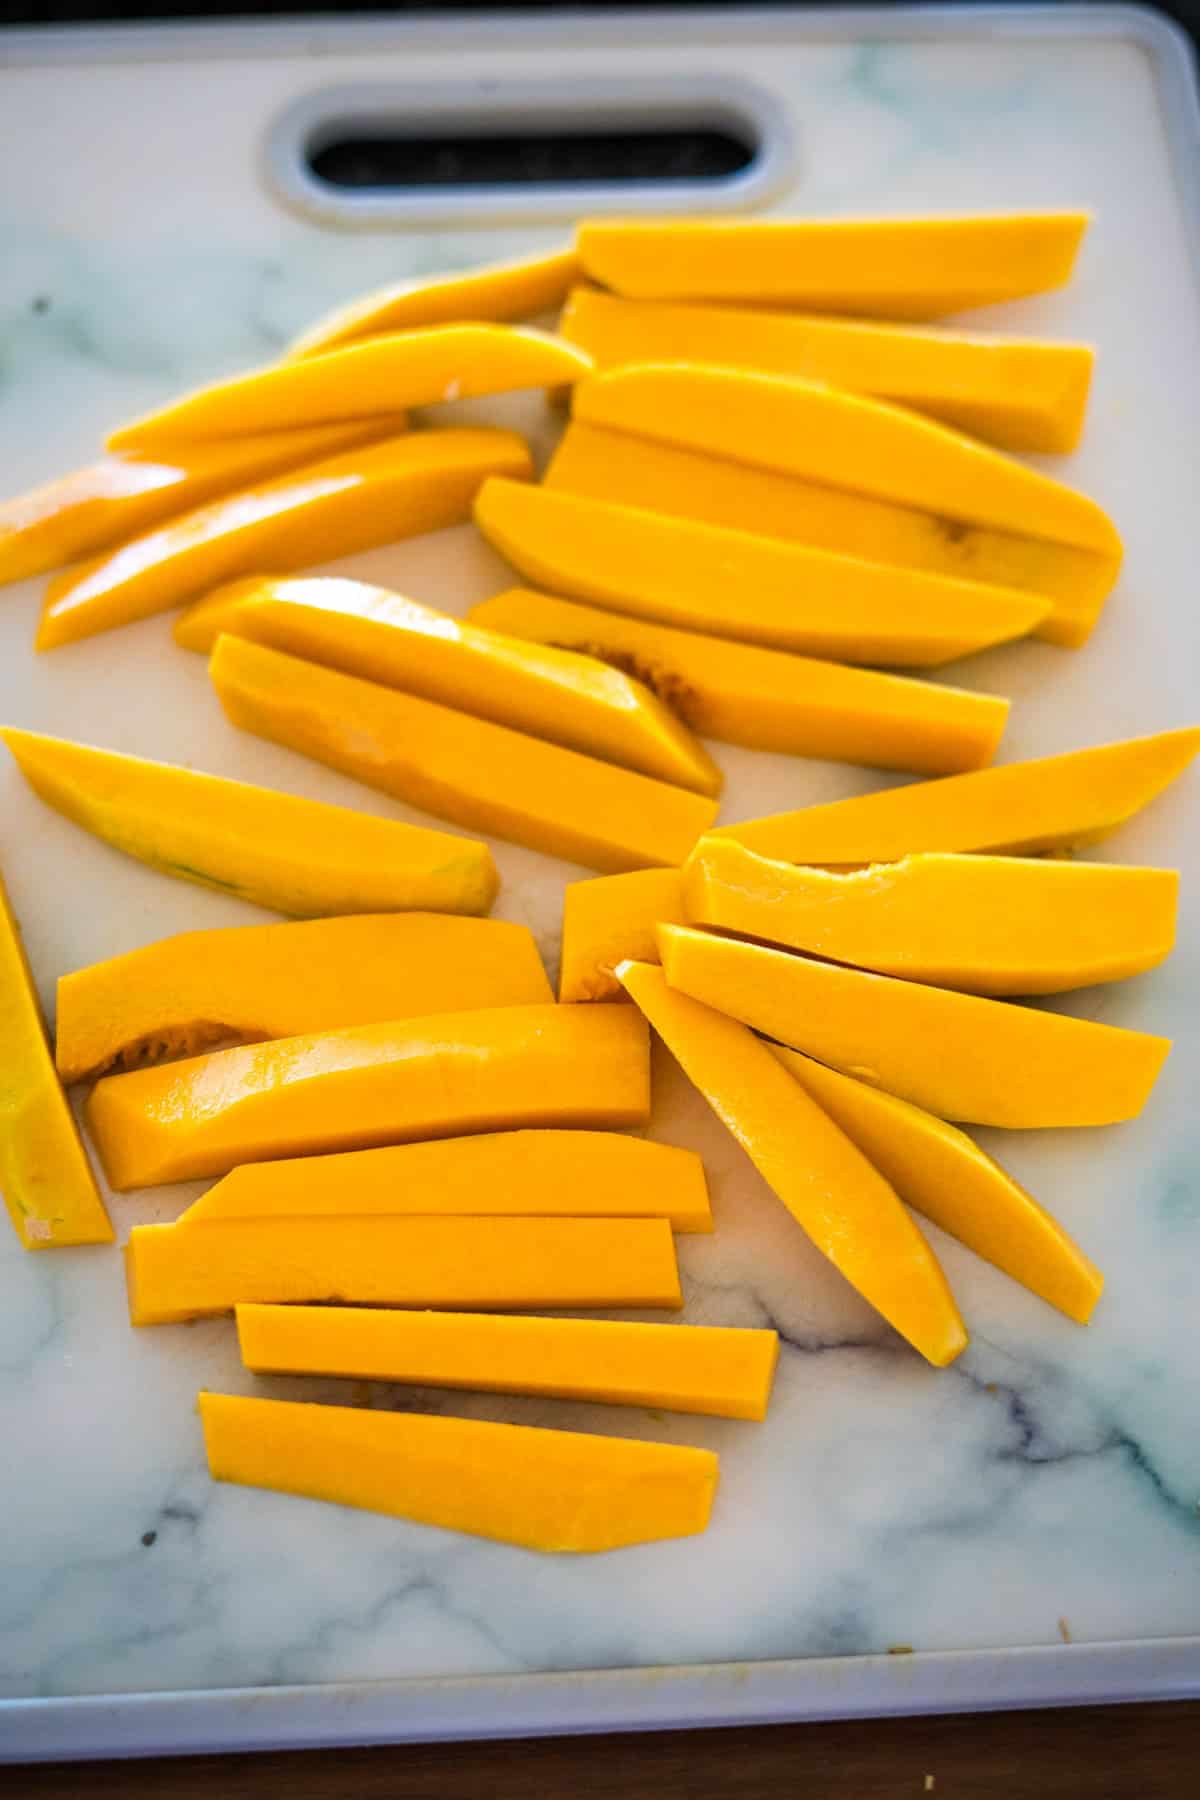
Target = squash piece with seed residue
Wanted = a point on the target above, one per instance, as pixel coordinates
(185, 993)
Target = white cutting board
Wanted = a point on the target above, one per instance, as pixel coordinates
(1045, 1486)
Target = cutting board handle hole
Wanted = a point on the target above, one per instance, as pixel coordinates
(372, 157)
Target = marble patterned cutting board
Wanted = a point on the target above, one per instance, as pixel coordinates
(1045, 1487)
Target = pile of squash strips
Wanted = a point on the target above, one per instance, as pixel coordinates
(783, 496)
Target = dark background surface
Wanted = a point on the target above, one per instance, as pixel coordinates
(1150, 1752)
(38, 12)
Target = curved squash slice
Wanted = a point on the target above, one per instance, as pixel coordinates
(372, 1084)
(736, 585)
(351, 502)
(945, 1175)
(613, 919)
(916, 268)
(1019, 393)
(368, 631)
(985, 924)
(713, 1369)
(362, 381)
(477, 774)
(123, 495)
(985, 1062)
(843, 1204)
(45, 1179)
(251, 982)
(176, 1274)
(518, 1484)
(767, 699)
(529, 1174)
(509, 290)
(296, 856)
(615, 466)
(1051, 803)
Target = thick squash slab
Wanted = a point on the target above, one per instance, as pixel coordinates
(367, 631)
(501, 291)
(1051, 803)
(766, 699)
(347, 503)
(1018, 393)
(682, 1368)
(529, 1174)
(945, 1175)
(982, 1062)
(45, 1179)
(985, 924)
(738, 585)
(843, 1204)
(919, 268)
(612, 920)
(190, 1273)
(123, 495)
(713, 490)
(251, 982)
(362, 381)
(468, 770)
(295, 856)
(518, 1484)
(372, 1084)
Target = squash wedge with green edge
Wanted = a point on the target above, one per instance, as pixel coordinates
(295, 856)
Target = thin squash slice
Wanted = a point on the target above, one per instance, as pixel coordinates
(983, 1062)
(835, 1195)
(681, 1368)
(610, 920)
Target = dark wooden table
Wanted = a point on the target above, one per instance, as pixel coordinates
(1151, 1752)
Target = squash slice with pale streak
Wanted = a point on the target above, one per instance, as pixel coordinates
(529, 1174)
(176, 1273)
(610, 920)
(766, 699)
(982, 1062)
(381, 636)
(440, 1076)
(500, 291)
(362, 381)
(725, 1371)
(347, 503)
(903, 268)
(519, 1484)
(943, 1173)
(1049, 803)
(45, 1178)
(622, 469)
(295, 856)
(123, 495)
(1017, 393)
(984, 924)
(183, 994)
(843, 1204)
(477, 774)
(858, 445)
(735, 584)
